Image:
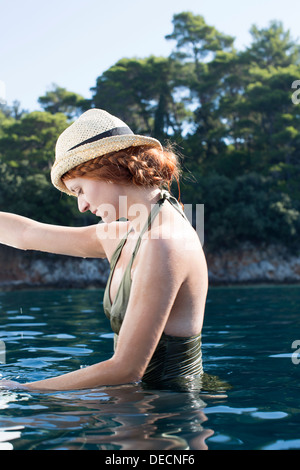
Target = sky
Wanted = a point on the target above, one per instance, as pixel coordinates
(72, 42)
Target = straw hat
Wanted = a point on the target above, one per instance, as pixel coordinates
(93, 134)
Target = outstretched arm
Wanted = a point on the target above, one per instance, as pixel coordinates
(27, 234)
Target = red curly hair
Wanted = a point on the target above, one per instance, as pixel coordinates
(141, 166)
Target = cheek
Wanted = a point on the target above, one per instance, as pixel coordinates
(114, 205)
(110, 205)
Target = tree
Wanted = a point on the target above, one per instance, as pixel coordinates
(197, 44)
(13, 111)
(60, 100)
(26, 155)
(28, 143)
(142, 93)
(196, 40)
(273, 46)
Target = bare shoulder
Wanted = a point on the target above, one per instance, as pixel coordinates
(180, 252)
(180, 241)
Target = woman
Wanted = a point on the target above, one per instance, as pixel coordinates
(156, 291)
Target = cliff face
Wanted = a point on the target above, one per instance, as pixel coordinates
(25, 269)
(243, 264)
(247, 263)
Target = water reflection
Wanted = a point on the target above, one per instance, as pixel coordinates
(130, 418)
(7, 435)
(247, 338)
(124, 417)
(148, 420)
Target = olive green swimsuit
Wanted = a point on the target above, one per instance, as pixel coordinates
(176, 360)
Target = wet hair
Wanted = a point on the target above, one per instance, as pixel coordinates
(142, 166)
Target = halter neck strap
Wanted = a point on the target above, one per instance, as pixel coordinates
(164, 195)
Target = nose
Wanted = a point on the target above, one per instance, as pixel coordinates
(83, 205)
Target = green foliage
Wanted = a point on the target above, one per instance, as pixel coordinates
(60, 100)
(232, 113)
(142, 93)
(248, 207)
(26, 155)
(195, 40)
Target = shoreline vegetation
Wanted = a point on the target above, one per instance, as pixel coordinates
(233, 114)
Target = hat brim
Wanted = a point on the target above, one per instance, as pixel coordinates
(87, 152)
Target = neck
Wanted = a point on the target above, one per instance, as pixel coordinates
(139, 202)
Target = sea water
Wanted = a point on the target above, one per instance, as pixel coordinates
(251, 342)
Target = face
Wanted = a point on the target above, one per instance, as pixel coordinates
(98, 197)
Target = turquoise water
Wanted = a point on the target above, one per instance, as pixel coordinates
(249, 341)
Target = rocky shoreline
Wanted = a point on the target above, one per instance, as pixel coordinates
(248, 263)
(244, 264)
(29, 269)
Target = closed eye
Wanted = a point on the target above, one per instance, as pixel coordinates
(77, 191)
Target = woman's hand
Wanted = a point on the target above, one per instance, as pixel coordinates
(10, 385)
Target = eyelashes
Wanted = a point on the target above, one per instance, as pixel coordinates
(77, 191)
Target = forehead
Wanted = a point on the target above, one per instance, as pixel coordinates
(72, 182)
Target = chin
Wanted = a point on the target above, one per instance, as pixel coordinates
(107, 219)
(107, 212)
